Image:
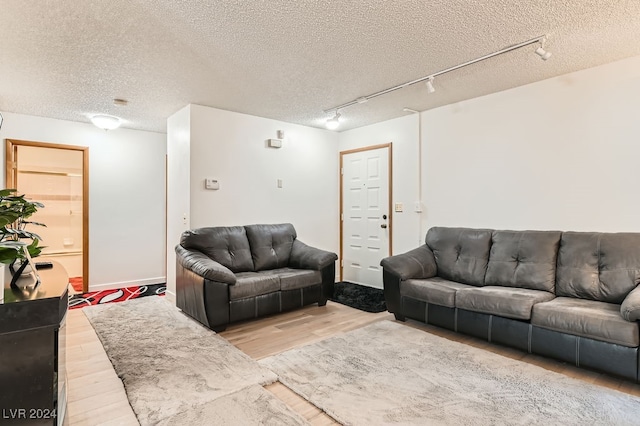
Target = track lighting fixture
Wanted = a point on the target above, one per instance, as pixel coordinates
(429, 84)
(333, 122)
(544, 55)
(540, 51)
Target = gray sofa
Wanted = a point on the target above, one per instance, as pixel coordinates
(572, 296)
(229, 274)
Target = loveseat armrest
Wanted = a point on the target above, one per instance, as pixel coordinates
(307, 257)
(202, 265)
(630, 307)
(417, 263)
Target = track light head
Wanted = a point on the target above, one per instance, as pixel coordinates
(544, 55)
(429, 84)
(540, 51)
(333, 122)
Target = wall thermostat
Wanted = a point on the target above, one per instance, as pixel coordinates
(274, 143)
(211, 184)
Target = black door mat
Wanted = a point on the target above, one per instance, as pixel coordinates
(358, 296)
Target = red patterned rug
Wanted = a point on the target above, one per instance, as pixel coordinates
(77, 301)
(76, 283)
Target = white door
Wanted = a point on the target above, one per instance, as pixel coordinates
(365, 215)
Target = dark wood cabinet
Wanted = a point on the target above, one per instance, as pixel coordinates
(32, 350)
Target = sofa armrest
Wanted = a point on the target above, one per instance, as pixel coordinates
(202, 265)
(630, 307)
(417, 263)
(307, 257)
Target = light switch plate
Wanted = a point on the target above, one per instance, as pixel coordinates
(399, 208)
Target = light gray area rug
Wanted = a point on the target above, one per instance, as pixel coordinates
(389, 373)
(173, 368)
(251, 406)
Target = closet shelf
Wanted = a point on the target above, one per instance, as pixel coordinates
(72, 252)
(50, 173)
(53, 197)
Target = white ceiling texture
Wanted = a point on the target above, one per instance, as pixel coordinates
(289, 60)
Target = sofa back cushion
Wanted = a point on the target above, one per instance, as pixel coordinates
(270, 245)
(598, 266)
(524, 259)
(227, 245)
(461, 253)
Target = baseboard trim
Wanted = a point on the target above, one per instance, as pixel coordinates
(122, 284)
(171, 296)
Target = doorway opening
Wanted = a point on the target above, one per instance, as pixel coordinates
(365, 213)
(57, 176)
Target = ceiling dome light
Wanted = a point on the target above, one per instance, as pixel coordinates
(106, 122)
(429, 84)
(334, 122)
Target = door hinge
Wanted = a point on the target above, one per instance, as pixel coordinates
(341, 263)
(342, 216)
(341, 170)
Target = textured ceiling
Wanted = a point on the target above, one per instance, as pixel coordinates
(289, 60)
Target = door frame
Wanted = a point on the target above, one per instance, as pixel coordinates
(10, 179)
(390, 193)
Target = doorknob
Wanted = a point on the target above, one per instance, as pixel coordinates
(383, 226)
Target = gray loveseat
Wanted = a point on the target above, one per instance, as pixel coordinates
(229, 274)
(572, 296)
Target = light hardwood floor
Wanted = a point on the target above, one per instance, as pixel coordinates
(96, 395)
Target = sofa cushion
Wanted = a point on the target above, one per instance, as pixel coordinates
(434, 290)
(227, 245)
(270, 245)
(251, 284)
(598, 266)
(587, 318)
(504, 301)
(293, 279)
(523, 259)
(461, 253)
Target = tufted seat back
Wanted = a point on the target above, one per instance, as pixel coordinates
(525, 259)
(227, 245)
(461, 254)
(270, 245)
(598, 266)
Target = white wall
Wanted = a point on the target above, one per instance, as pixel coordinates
(403, 134)
(126, 196)
(231, 148)
(178, 195)
(558, 154)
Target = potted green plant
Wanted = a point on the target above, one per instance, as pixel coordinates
(14, 212)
